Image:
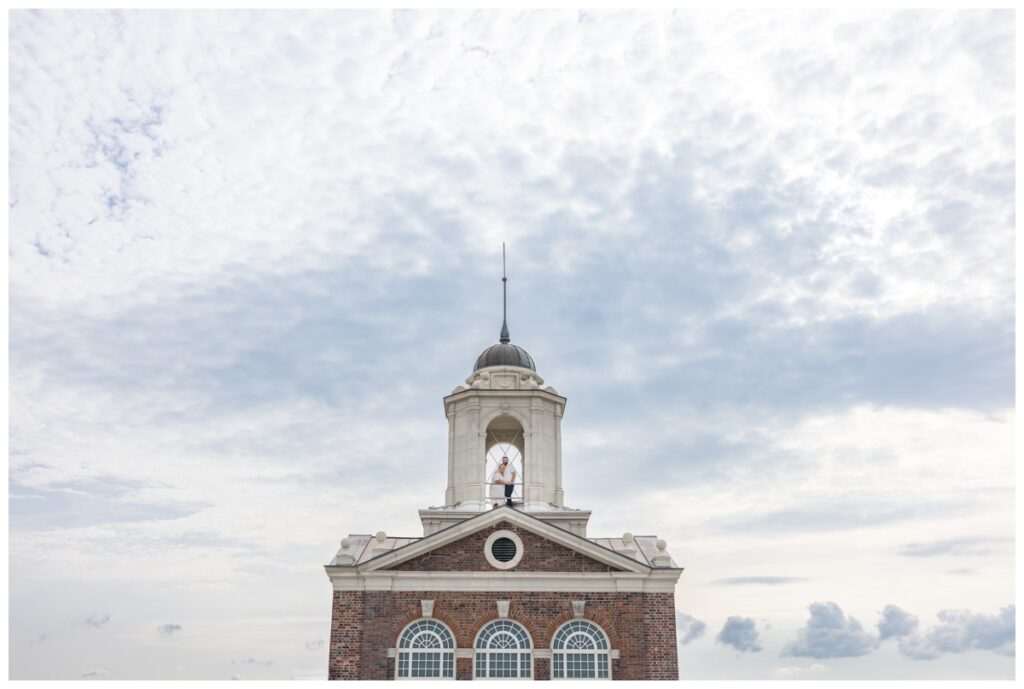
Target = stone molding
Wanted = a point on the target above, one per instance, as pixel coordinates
(491, 517)
(538, 653)
(496, 563)
(657, 581)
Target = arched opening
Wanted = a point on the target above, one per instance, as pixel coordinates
(504, 480)
(426, 650)
(579, 650)
(503, 650)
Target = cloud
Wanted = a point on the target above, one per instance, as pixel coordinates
(96, 621)
(253, 661)
(842, 513)
(953, 546)
(39, 639)
(169, 629)
(895, 622)
(688, 628)
(234, 234)
(314, 644)
(794, 671)
(237, 676)
(830, 634)
(741, 634)
(961, 631)
(757, 581)
(96, 673)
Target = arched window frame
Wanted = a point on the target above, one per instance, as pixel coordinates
(483, 656)
(562, 656)
(406, 657)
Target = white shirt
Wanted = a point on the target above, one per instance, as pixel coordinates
(498, 489)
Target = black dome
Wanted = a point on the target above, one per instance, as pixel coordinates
(504, 354)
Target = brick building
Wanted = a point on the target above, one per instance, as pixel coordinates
(505, 581)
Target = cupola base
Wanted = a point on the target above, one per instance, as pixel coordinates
(572, 520)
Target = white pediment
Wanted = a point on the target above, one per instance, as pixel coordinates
(487, 519)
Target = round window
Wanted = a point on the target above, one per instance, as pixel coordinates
(503, 549)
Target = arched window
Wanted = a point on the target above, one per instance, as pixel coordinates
(579, 650)
(503, 651)
(426, 649)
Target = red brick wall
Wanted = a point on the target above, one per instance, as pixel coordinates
(346, 649)
(660, 636)
(539, 555)
(640, 625)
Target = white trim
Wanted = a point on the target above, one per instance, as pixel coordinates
(490, 517)
(521, 419)
(468, 653)
(495, 562)
(656, 581)
(474, 393)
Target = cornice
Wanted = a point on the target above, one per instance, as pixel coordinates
(479, 522)
(655, 581)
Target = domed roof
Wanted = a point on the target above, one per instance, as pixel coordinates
(504, 354)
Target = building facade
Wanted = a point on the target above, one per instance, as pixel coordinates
(505, 581)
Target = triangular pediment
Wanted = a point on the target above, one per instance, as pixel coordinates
(543, 548)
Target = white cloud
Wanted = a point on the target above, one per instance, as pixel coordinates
(962, 630)
(248, 251)
(796, 672)
(96, 620)
(895, 622)
(688, 628)
(169, 629)
(741, 634)
(829, 633)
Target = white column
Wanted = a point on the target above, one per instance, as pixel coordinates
(449, 492)
(559, 493)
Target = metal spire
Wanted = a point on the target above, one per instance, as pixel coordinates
(504, 339)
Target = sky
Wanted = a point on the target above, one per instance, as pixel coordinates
(767, 257)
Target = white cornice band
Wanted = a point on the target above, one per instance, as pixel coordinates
(657, 581)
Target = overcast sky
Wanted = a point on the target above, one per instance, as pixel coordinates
(767, 257)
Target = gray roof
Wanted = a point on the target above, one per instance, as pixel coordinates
(504, 354)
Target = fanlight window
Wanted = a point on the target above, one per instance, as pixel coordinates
(579, 650)
(503, 651)
(426, 649)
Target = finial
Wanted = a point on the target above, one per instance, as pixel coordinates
(504, 338)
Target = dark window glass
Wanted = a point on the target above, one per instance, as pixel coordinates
(503, 549)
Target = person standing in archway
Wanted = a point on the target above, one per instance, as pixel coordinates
(503, 482)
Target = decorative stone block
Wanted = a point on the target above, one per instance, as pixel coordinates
(662, 559)
(503, 608)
